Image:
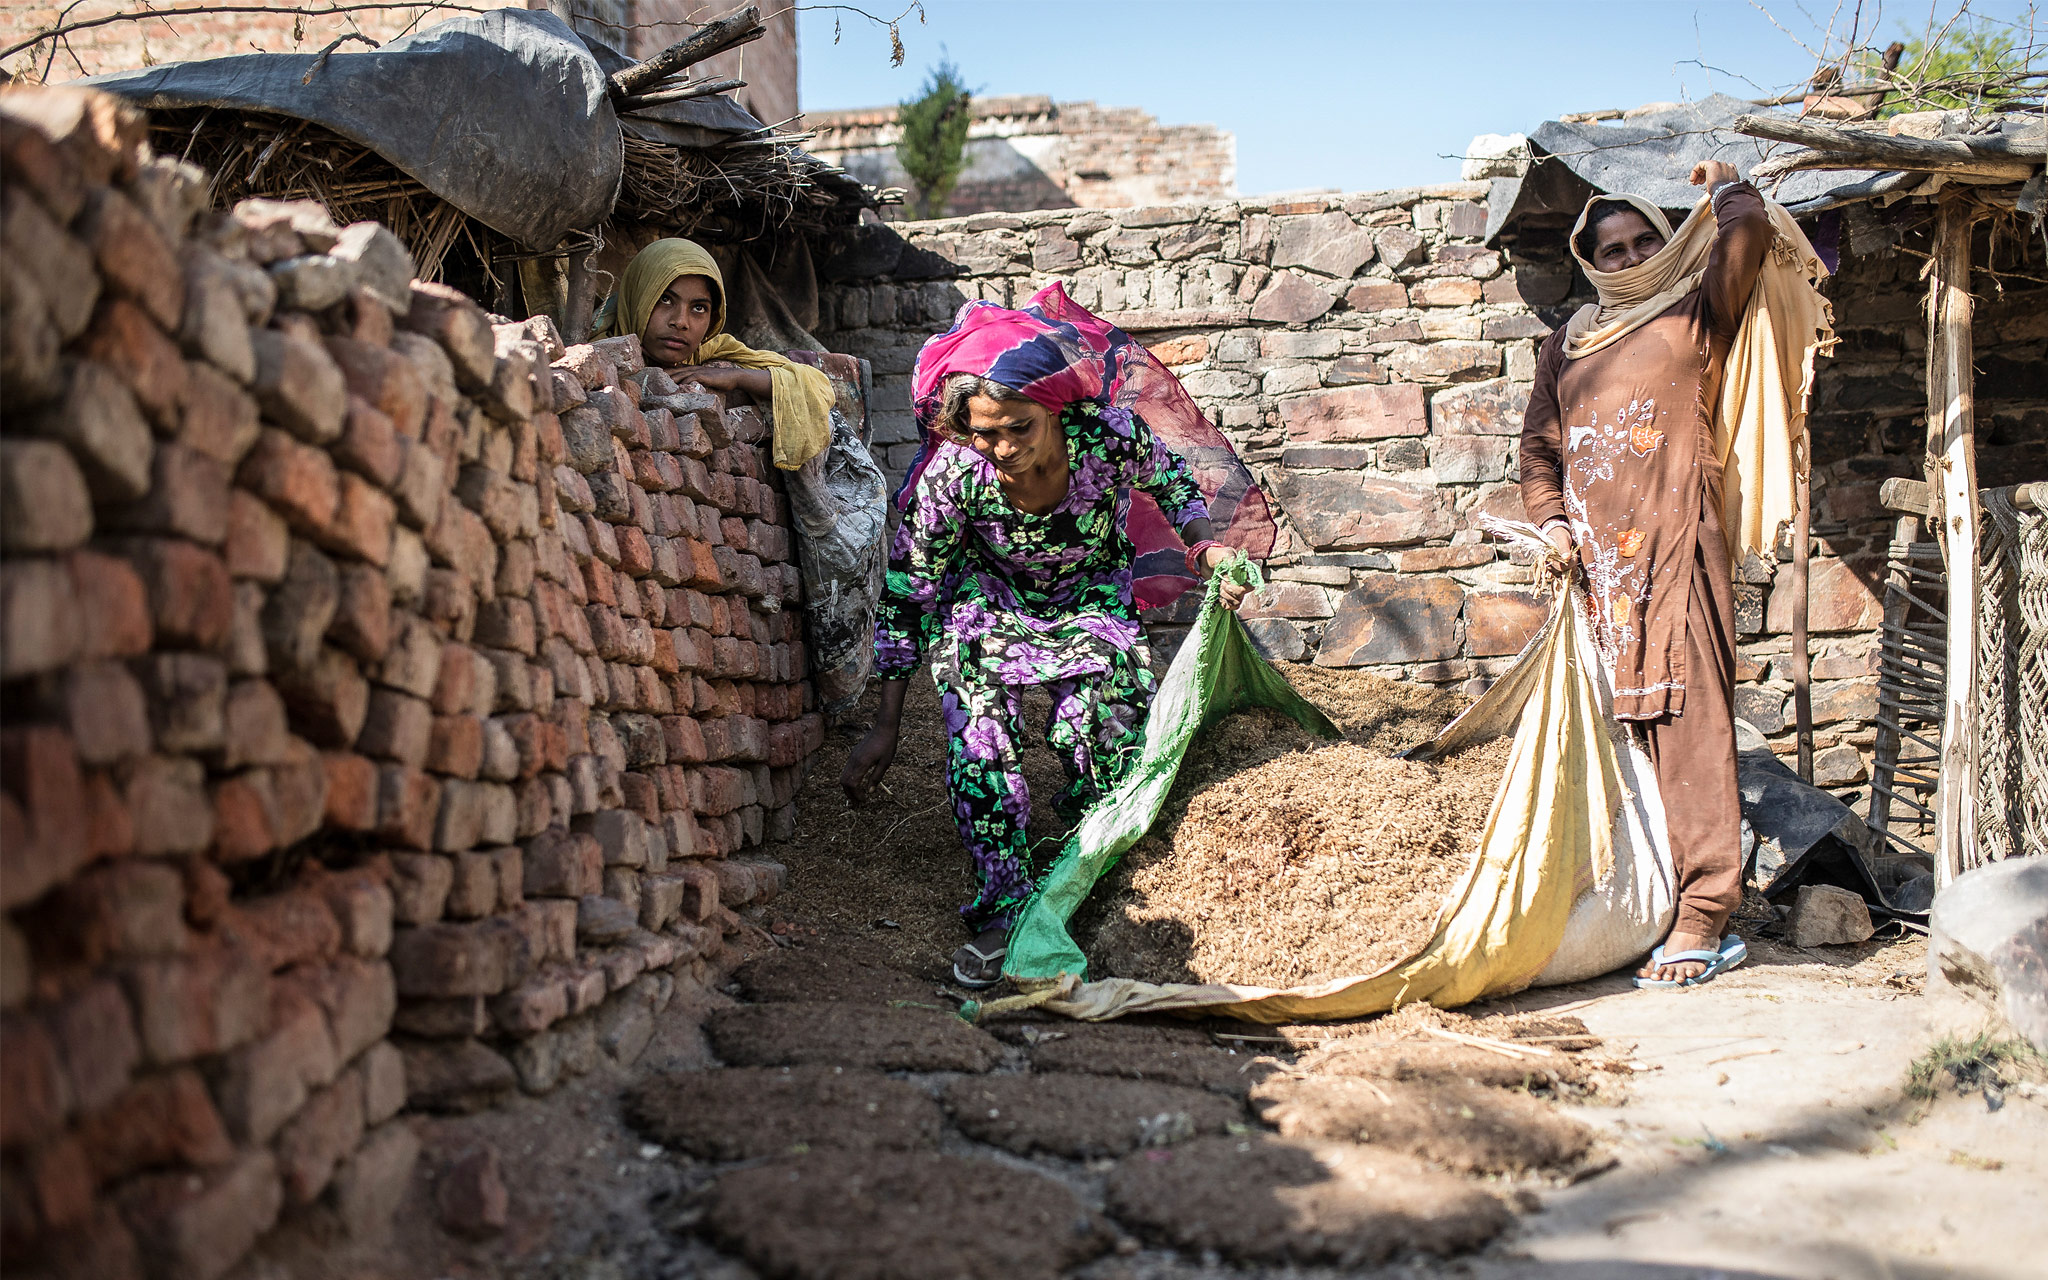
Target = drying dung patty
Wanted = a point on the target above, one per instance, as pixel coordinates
(1264, 1199)
(853, 1216)
(833, 971)
(885, 1039)
(1438, 1060)
(1083, 1117)
(1166, 1055)
(1461, 1126)
(748, 1113)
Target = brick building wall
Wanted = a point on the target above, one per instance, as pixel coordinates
(1370, 359)
(387, 701)
(1026, 153)
(643, 28)
(640, 28)
(124, 46)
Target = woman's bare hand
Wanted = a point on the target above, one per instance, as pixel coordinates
(713, 377)
(1230, 594)
(868, 761)
(1712, 173)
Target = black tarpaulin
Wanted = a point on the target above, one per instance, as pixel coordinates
(1647, 155)
(503, 115)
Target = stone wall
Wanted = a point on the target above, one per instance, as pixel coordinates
(1371, 358)
(388, 697)
(1028, 152)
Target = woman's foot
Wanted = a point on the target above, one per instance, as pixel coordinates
(980, 963)
(1679, 970)
(1672, 965)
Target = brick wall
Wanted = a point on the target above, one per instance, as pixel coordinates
(1025, 152)
(387, 700)
(1371, 360)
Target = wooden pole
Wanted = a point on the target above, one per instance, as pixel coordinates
(577, 308)
(1952, 477)
(1802, 670)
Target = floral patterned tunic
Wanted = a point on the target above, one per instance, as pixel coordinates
(1001, 599)
(981, 586)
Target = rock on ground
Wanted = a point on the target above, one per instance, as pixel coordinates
(1988, 944)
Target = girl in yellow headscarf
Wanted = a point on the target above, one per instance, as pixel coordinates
(673, 298)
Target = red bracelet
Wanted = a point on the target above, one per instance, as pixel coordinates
(1195, 553)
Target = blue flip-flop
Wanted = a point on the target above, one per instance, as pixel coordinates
(1732, 951)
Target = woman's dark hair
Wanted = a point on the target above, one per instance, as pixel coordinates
(958, 389)
(1589, 239)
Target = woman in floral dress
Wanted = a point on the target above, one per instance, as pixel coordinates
(1034, 528)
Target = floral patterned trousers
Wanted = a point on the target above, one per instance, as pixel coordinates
(1094, 728)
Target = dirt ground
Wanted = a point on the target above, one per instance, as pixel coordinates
(1757, 1127)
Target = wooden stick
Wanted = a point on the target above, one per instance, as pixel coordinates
(701, 89)
(1501, 1047)
(1992, 153)
(734, 29)
(1952, 474)
(1743, 1053)
(1802, 602)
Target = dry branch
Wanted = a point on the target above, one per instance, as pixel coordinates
(1986, 155)
(734, 29)
(701, 89)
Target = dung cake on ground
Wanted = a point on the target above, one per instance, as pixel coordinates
(1284, 860)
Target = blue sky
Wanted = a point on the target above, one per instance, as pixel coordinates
(1352, 94)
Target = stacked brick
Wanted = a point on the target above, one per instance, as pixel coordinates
(388, 694)
(1371, 359)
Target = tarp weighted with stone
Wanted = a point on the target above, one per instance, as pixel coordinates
(1572, 876)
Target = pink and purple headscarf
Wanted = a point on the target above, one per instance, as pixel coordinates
(1058, 353)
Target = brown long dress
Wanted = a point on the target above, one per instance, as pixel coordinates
(1619, 444)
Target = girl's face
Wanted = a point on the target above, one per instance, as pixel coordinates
(1016, 436)
(679, 322)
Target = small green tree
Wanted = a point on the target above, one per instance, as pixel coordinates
(934, 137)
(1973, 63)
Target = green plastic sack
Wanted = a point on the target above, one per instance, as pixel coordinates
(1216, 672)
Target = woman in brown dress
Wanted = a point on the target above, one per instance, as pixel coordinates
(1620, 469)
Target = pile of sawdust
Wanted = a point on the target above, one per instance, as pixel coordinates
(1283, 860)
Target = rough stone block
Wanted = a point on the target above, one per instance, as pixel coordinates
(1391, 618)
(372, 1183)
(299, 386)
(44, 502)
(1339, 510)
(1367, 412)
(1823, 915)
(198, 1227)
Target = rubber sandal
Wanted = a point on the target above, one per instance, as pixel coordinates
(984, 960)
(1732, 951)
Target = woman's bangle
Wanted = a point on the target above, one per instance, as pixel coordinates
(1195, 554)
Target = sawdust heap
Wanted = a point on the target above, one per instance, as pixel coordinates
(1283, 860)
